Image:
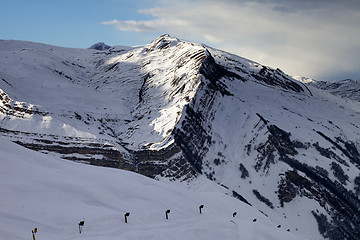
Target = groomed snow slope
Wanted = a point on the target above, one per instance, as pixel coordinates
(54, 195)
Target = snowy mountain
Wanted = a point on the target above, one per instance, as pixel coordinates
(347, 88)
(304, 79)
(179, 111)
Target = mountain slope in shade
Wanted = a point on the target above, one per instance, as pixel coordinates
(175, 110)
(54, 195)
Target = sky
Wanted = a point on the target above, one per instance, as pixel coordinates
(318, 39)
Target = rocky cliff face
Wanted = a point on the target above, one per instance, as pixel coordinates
(177, 110)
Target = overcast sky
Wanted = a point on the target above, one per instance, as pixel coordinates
(318, 39)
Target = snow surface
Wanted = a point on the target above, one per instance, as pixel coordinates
(54, 195)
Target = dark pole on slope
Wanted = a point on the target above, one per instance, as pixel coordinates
(201, 207)
(126, 215)
(166, 213)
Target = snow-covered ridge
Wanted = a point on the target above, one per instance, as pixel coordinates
(304, 79)
(168, 77)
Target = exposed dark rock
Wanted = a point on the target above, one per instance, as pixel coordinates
(278, 141)
(244, 171)
(344, 205)
(357, 186)
(341, 205)
(339, 173)
(286, 191)
(263, 199)
(193, 137)
(214, 72)
(111, 67)
(165, 162)
(241, 198)
(143, 86)
(327, 229)
(348, 150)
(328, 153)
(217, 161)
(281, 141)
(322, 171)
(277, 78)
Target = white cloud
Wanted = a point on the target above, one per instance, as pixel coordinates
(309, 39)
(131, 25)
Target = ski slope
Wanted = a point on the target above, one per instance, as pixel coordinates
(54, 195)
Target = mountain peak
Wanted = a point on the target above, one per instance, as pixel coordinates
(304, 80)
(101, 46)
(163, 42)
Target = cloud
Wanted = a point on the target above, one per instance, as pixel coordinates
(307, 38)
(131, 25)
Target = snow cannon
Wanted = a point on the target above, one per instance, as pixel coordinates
(126, 215)
(81, 224)
(34, 231)
(201, 207)
(234, 214)
(166, 213)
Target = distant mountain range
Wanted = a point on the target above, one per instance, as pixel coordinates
(179, 111)
(347, 88)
